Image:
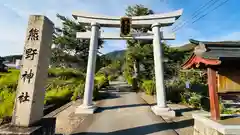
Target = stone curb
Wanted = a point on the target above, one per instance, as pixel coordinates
(57, 111)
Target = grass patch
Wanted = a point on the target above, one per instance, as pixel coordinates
(6, 103)
(63, 85)
(149, 87)
(58, 95)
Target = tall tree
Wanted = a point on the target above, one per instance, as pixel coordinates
(141, 52)
(133, 54)
(67, 48)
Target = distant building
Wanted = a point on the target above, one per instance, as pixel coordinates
(15, 64)
(18, 63)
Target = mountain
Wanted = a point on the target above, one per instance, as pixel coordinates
(115, 55)
(185, 48)
(120, 54)
(12, 58)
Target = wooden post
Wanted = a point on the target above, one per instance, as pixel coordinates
(212, 88)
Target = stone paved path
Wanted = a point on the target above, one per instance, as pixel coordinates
(124, 114)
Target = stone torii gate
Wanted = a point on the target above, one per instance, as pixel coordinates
(155, 21)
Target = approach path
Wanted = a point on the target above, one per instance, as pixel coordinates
(125, 113)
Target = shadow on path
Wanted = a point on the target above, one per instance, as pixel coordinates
(106, 95)
(143, 130)
(101, 109)
(179, 112)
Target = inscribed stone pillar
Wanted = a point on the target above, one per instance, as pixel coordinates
(29, 101)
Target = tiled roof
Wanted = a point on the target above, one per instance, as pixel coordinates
(217, 50)
(213, 53)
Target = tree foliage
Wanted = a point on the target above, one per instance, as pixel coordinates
(67, 48)
(134, 53)
(140, 53)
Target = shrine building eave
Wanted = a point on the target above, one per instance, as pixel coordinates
(212, 53)
(165, 19)
(195, 61)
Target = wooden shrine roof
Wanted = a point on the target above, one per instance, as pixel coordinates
(212, 53)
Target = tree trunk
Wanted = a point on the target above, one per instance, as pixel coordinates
(136, 74)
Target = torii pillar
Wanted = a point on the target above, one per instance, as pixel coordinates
(156, 21)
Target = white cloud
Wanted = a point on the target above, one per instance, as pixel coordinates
(230, 36)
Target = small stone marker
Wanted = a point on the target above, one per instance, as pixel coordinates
(29, 102)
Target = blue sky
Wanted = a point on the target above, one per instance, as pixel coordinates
(222, 24)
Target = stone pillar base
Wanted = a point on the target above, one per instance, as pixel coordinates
(163, 111)
(45, 127)
(83, 109)
(203, 125)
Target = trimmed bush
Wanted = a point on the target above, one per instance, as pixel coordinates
(101, 81)
(78, 92)
(65, 73)
(58, 96)
(149, 87)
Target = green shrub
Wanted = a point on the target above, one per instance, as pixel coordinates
(58, 95)
(195, 100)
(149, 87)
(191, 98)
(174, 90)
(225, 110)
(65, 73)
(95, 92)
(101, 81)
(128, 77)
(78, 92)
(10, 80)
(184, 98)
(112, 77)
(6, 103)
(64, 85)
(57, 82)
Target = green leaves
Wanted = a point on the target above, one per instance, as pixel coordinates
(67, 48)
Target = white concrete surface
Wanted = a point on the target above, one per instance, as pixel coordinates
(83, 109)
(158, 66)
(116, 36)
(166, 19)
(167, 112)
(89, 85)
(213, 125)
